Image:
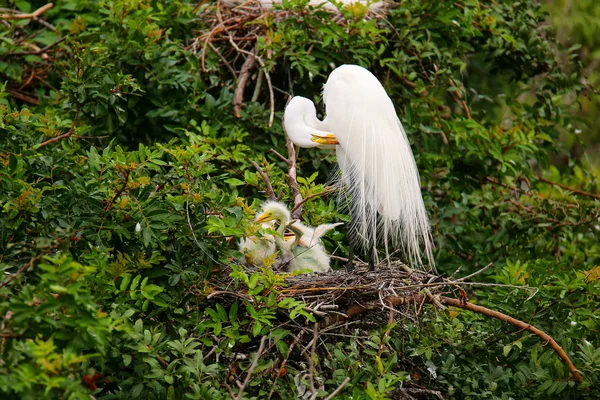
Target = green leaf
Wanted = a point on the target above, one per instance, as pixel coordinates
(234, 182)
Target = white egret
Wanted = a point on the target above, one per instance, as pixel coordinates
(304, 249)
(375, 159)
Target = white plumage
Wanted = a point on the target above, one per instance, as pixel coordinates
(255, 249)
(375, 159)
(302, 251)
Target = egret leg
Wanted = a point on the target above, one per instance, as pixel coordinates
(372, 259)
(350, 264)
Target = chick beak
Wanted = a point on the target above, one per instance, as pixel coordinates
(263, 218)
(328, 138)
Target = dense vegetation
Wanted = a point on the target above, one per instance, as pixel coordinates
(126, 182)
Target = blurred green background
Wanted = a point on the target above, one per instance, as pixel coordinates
(577, 23)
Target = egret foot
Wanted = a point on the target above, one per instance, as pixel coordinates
(372, 260)
(350, 263)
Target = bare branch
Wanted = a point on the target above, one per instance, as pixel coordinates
(266, 178)
(339, 388)
(37, 50)
(570, 189)
(32, 15)
(65, 135)
(261, 348)
(464, 278)
(311, 362)
(312, 196)
(31, 263)
(240, 87)
(460, 99)
(291, 178)
(23, 97)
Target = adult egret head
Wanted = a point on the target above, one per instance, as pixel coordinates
(375, 159)
(304, 128)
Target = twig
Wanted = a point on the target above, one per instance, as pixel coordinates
(291, 178)
(312, 196)
(119, 192)
(464, 278)
(191, 228)
(234, 294)
(21, 270)
(240, 87)
(339, 388)
(311, 362)
(218, 53)
(259, 81)
(32, 15)
(266, 178)
(519, 324)
(39, 51)
(31, 262)
(23, 97)
(65, 135)
(460, 98)
(260, 62)
(261, 348)
(282, 158)
(570, 189)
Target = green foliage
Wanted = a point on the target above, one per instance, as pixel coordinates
(124, 191)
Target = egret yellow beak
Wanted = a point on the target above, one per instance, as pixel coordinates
(324, 139)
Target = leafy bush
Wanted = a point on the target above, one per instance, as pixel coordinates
(127, 182)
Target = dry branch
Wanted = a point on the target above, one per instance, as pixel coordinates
(242, 386)
(23, 97)
(65, 135)
(291, 177)
(240, 87)
(31, 262)
(33, 15)
(460, 99)
(267, 179)
(570, 189)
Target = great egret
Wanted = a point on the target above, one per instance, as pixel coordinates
(375, 159)
(304, 249)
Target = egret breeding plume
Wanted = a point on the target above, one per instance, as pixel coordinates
(303, 249)
(376, 162)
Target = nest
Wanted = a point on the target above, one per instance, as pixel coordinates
(339, 296)
(394, 290)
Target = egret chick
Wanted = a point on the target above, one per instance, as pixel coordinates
(308, 250)
(255, 249)
(303, 250)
